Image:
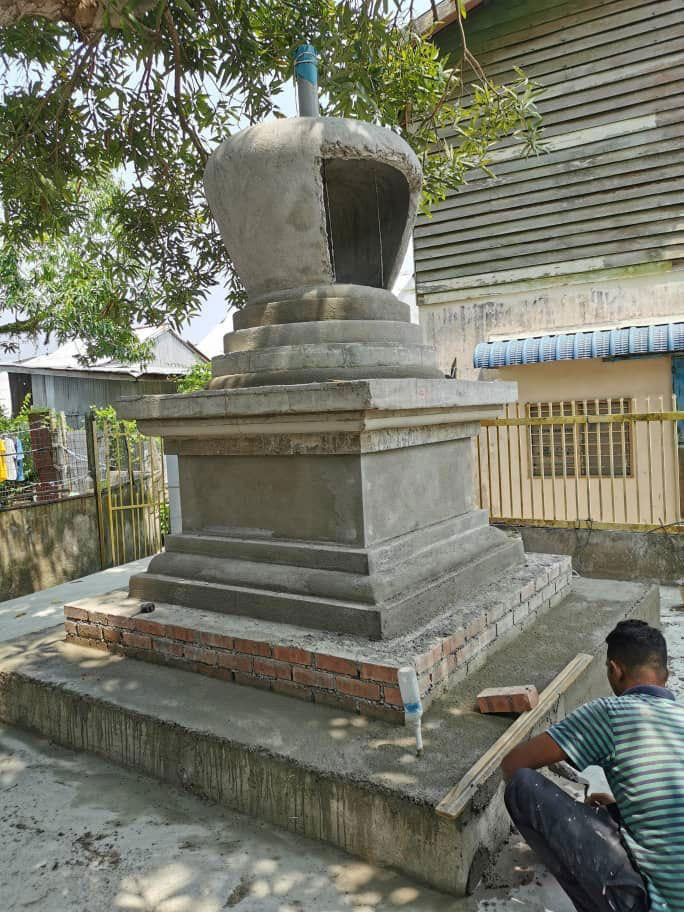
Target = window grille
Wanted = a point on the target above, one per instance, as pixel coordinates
(570, 449)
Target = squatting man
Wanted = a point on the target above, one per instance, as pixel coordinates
(622, 852)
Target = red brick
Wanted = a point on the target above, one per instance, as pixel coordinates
(392, 695)
(88, 642)
(288, 689)
(97, 617)
(199, 654)
(313, 678)
(155, 628)
(253, 647)
(137, 640)
(71, 628)
(335, 663)
(223, 674)
(250, 681)
(92, 631)
(180, 633)
(477, 625)
(379, 673)
(215, 639)
(426, 660)
(111, 635)
(120, 620)
(356, 688)
(236, 662)
(75, 614)
(293, 654)
(517, 699)
(453, 642)
(167, 647)
(272, 669)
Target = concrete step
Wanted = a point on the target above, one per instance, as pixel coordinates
(343, 779)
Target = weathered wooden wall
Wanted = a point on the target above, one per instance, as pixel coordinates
(610, 193)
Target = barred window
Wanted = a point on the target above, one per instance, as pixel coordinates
(570, 449)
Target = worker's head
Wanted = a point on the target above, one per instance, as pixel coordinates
(637, 654)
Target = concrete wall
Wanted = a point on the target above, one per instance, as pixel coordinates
(653, 556)
(455, 321)
(47, 544)
(649, 494)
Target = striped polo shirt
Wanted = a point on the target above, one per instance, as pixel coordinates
(638, 740)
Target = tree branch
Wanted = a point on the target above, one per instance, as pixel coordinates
(178, 87)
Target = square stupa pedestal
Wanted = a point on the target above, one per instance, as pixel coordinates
(345, 506)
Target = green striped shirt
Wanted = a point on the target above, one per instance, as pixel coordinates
(638, 740)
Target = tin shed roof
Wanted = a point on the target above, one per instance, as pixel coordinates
(573, 346)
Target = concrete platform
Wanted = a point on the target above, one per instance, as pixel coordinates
(347, 780)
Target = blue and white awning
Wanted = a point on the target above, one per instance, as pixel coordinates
(574, 346)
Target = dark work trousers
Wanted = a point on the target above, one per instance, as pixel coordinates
(579, 844)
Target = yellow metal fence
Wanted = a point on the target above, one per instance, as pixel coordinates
(131, 495)
(600, 463)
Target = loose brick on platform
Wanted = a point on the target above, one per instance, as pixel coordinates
(518, 699)
(385, 673)
(322, 680)
(253, 647)
(293, 654)
(272, 668)
(137, 640)
(335, 663)
(355, 688)
(215, 639)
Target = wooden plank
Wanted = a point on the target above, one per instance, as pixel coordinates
(554, 190)
(631, 237)
(642, 18)
(575, 201)
(645, 250)
(561, 167)
(544, 22)
(458, 798)
(569, 234)
(576, 65)
(481, 283)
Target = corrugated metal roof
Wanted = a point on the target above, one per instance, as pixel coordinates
(574, 346)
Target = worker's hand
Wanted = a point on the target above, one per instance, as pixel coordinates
(599, 799)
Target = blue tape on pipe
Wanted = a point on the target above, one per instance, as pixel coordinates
(412, 707)
(306, 63)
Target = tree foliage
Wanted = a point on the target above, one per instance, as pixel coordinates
(146, 90)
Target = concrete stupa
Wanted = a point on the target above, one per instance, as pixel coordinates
(326, 476)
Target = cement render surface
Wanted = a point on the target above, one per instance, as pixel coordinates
(312, 737)
(166, 850)
(383, 652)
(343, 396)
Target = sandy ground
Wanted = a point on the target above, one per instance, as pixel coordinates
(78, 834)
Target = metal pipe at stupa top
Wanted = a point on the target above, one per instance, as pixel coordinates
(306, 78)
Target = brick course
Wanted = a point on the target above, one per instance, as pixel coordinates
(339, 681)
